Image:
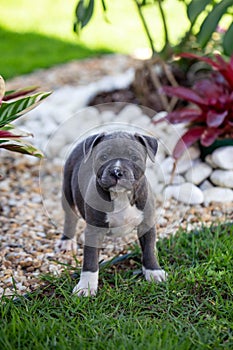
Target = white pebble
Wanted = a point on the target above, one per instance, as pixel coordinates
(198, 173)
(218, 194)
(141, 122)
(185, 193)
(205, 185)
(159, 115)
(108, 117)
(223, 178)
(157, 189)
(41, 234)
(166, 167)
(173, 180)
(184, 164)
(209, 160)
(223, 157)
(129, 114)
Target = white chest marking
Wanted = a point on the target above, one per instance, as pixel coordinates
(124, 217)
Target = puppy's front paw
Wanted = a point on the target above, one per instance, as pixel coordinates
(66, 245)
(87, 285)
(154, 275)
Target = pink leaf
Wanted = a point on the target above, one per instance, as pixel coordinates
(11, 132)
(6, 134)
(189, 138)
(222, 64)
(228, 75)
(215, 119)
(208, 88)
(231, 62)
(209, 136)
(223, 67)
(185, 94)
(200, 58)
(183, 116)
(19, 93)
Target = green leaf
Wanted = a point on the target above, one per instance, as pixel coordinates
(21, 147)
(228, 41)
(210, 23)
(13, 109)
(195, 8)
(84, 12)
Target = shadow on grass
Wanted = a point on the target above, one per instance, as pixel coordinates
(22, 53)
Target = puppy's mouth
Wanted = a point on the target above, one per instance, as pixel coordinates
(116, 185)
(122, 186)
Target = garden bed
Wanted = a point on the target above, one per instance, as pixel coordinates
(31, 223)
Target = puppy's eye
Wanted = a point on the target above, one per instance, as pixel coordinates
(104, 157)
(134, 158)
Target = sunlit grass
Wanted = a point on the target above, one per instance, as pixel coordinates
(192, 310)
(36, 35)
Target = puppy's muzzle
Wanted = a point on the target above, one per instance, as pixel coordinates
(114, 175)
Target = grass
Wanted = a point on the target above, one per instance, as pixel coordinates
(192, 310)
(34, 37)
(37, 51)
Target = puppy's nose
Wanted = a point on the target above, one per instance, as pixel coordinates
(116, 172)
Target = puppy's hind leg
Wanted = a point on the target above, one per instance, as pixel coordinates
(68, 239)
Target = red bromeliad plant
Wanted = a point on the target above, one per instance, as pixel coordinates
(212, 118)
(13, 104)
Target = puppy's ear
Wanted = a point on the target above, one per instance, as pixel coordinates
(89, 143)
(150, 143)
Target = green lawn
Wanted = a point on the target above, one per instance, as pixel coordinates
(38, 35)
(192, 310)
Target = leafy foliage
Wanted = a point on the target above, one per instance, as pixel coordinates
(213, 97)
(211, 21)
(84, 12)
(204, 17)
(13, 104)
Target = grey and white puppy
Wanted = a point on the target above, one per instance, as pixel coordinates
(104, 178)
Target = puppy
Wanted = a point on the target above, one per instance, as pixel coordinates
(104, 178)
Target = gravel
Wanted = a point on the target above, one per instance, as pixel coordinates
(30, 210)
(28, 235)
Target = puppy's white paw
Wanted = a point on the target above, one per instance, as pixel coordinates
(88, 284)
(66, 245)
(154, 275)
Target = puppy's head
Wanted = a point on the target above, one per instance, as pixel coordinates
(119, 158)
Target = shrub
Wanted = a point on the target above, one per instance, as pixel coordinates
(212, 97)
(13, 104)
(204, 17)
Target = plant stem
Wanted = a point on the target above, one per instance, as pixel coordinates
(165, 28)
(145, 26)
